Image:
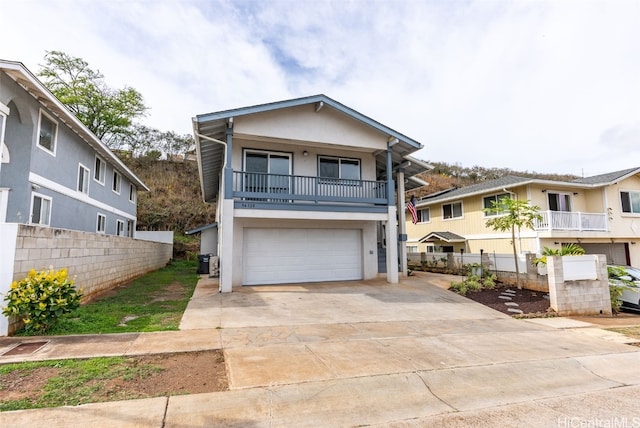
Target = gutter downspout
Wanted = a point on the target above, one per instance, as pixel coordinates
(224, 164)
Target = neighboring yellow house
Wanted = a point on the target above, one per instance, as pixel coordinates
(600, 213)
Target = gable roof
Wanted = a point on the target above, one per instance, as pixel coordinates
(608, 178)
(209, 131)
(442, 236)
(474, 189)
(23, 77)
(505, 183)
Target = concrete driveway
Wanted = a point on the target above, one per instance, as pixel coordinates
(368, 353)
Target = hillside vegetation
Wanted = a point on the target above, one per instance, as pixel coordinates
(175, 200)
(446, 176)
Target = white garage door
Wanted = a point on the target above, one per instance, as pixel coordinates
(279, 256)
(616, 253)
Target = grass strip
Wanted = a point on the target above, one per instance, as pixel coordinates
(153, 302)
(75, 382)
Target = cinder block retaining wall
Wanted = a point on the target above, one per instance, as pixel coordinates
(98, 262)
(579, 297)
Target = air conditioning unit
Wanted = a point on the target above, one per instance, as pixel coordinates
(214, 266)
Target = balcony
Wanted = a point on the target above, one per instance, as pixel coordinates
(577, 221)
(277, 191)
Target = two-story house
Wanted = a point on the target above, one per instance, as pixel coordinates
(54, 171)
(600, 213)
(304, 191)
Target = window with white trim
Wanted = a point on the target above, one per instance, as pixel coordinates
(101, 223)
(630, 202)
(40, 209)
(119, 227)
(424, 215)
(453, 210)
(340, 168)
(130, 228)
(132, 193)
(412, 248)
(83, 179)
(116, 182)
(47, 132)
(559, 201)
(490, 203)
(100, 170)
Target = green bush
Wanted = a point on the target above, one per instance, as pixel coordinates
(615, 292)
(459, 287)
(41, 298)
(489, 281)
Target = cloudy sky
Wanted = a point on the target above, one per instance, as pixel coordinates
(546, 86)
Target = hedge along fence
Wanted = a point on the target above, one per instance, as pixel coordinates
(96, 262)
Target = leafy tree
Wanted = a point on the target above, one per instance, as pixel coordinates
(509, 215)
(107, 112)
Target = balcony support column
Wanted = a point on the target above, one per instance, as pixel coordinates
(402, 227)
(228, 167)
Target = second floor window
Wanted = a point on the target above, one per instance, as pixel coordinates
(83, 179)
(453, 210)
(489, 203)
(132, 193)
(559, 201)
(630, 202)
(344, 169)
(116, 182)
(424, 215)
(47, 133)
(100, 170)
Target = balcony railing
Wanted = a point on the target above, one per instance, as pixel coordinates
(565, 220)
(278, 188)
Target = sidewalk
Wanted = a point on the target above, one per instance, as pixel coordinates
(364, 354)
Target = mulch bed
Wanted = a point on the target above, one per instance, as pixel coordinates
(531, 303)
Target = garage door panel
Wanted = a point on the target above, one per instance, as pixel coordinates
(616, 252)
(273, 256)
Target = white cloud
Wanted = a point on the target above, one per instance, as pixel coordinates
(550, 86)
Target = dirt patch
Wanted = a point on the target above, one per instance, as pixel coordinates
(172, 374)
(173, 291)
(528, 301)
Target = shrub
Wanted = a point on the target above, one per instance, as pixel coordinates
(41, 298)
(459, 287)
(615, 292)
(489, 281)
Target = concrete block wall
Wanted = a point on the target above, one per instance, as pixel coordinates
(96, 262)
(579, 297)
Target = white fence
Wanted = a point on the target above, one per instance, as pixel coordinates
(497, 262)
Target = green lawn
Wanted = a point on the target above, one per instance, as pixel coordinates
(153, 302)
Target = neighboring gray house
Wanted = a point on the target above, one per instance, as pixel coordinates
(54, 171)
(305, 191)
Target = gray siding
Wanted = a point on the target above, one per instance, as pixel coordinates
(70, 209)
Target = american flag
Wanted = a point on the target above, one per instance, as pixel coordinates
(411, 206)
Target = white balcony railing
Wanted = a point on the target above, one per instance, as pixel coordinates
(566, 220)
